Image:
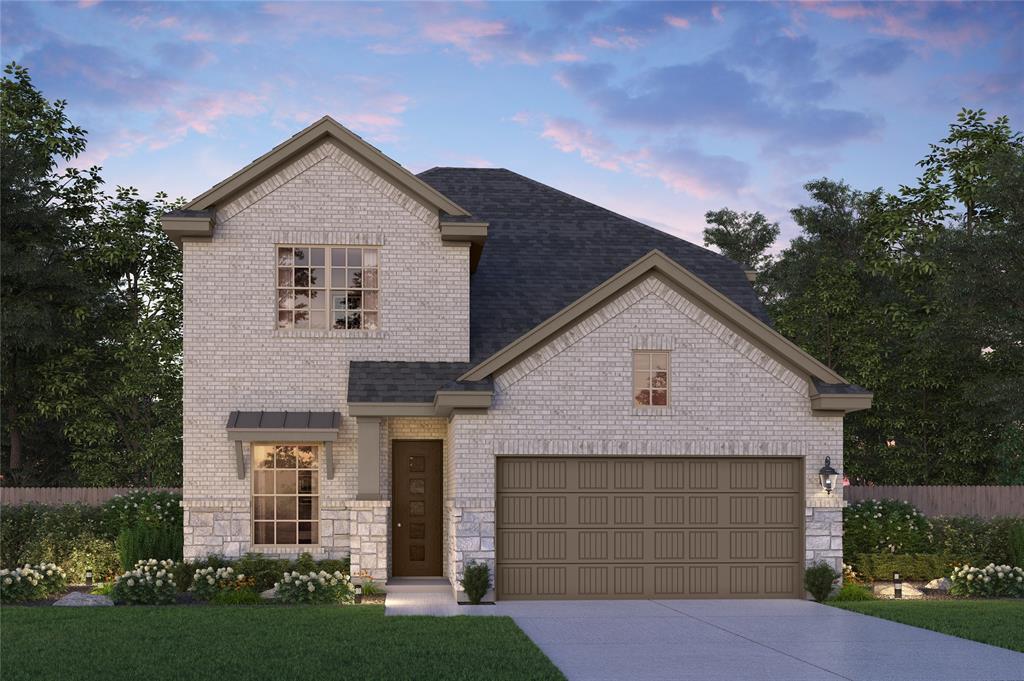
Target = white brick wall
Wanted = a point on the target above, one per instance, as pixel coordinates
(235, 358)
(574, 397)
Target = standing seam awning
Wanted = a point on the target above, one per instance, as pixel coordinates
(276, 426)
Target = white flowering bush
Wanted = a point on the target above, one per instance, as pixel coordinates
(31, 582)
(161, 509)
(991, 581)
(208, 582)
(151, 582)
(885, 526)
(314, 587)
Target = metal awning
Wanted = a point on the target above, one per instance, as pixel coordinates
(284, 426)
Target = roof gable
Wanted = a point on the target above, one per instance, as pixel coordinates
(324, 129)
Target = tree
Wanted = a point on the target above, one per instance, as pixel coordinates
(91, 325)
(45, 296)
(744, 237)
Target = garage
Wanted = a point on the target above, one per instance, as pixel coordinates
(658, 527)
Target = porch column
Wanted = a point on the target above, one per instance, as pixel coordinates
(369, 458)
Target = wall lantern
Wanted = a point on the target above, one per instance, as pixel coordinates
(88, 577)
(897, 585)
(828, 476)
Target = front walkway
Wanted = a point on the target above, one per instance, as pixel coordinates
(748, 640)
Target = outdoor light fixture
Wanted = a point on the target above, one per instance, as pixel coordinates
(359, 593)
(88, 577)
(828, 476)
(897, 585)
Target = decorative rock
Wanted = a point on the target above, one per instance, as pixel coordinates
(78, 599)
(941, 584)
(270, 593)
(886, 591)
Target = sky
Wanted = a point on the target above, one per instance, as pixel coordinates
(660, 111)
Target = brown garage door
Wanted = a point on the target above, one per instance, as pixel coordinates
(663, 527)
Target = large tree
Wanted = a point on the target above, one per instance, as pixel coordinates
(91, 300)
(744, 237)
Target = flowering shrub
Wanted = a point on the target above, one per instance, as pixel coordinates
(208, 582)
(885, 526)
(152, 508)
(991, 581)
(150, 583)
(315, 587)
(31, 582)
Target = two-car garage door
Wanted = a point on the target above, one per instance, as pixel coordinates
(664, 527)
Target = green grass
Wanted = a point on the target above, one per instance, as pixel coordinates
(998, 623)
(261, 642)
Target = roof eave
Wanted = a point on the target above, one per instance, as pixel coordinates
(825, 404)
(186, 227)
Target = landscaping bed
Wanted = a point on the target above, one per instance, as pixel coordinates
(996, 622)
(258, 642)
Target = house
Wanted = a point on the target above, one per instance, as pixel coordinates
(419, 371)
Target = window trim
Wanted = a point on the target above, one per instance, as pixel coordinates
(650, 373)
(320, 453)
(326, 289)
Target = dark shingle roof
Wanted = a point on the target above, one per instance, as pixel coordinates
(190, 214)
(406, 381)
(838, 388)
(546, 249)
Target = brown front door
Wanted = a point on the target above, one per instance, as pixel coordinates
(416, 516)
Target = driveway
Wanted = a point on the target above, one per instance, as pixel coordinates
(748, 641)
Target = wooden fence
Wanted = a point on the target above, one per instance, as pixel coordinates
(949, 500)
(58, 496)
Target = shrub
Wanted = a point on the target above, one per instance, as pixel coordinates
(914, 566)
(32, 582)
(92, 553)
(304, 564)
(150, 583)
(476, 580)
(104, 589)
(1016, 544)
(885, 526)
(370, 587)
(208, 582)
(151, 508)
(314, 587)
(977, 540)
(264, 571)
(991, 581)
(144, 541)
(237, 597)
(818, 580)
(853, 592)
(18, 527)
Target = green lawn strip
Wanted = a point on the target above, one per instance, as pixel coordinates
(998, 623)
(261, 642)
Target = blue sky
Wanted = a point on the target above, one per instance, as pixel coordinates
(660, 111)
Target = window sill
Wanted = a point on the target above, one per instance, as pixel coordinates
(283, 548)
(355, 334)
(652, 411)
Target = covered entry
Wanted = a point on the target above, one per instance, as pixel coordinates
(658, 527)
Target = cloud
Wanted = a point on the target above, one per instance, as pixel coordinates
(875, 57)
(711, 95)
(676, 163)
(468, 35)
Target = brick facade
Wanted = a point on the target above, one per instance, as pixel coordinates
(236, 358)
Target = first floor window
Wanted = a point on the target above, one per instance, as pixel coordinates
(328, 287)
(650, 378)
(285, 494)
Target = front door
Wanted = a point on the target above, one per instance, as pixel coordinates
(416, 512)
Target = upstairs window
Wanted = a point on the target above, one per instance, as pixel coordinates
(650, 378)
(328, 287)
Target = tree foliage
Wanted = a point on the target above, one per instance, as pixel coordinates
(744, 237)
(91, 311)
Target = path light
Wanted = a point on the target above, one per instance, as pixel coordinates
(88, 577)
(828, 476)
(359, 593)
(897, 585)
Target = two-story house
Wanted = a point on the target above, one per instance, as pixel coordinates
(465, 364)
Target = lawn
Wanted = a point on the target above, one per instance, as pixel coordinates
(261, 642)
(998, 623)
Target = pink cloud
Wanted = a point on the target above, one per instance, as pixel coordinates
(716, 13)
(569, 57)
(622, 41)
(677, 22)
(912, 21)
(466, 35)
(572, 137)
(168, 22)
(197, 37)
(86, 4)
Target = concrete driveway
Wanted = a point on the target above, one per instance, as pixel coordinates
(748, 641)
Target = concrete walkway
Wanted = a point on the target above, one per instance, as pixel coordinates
(433, 604)
(748, 641)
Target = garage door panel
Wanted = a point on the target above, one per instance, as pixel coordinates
(649, 527)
